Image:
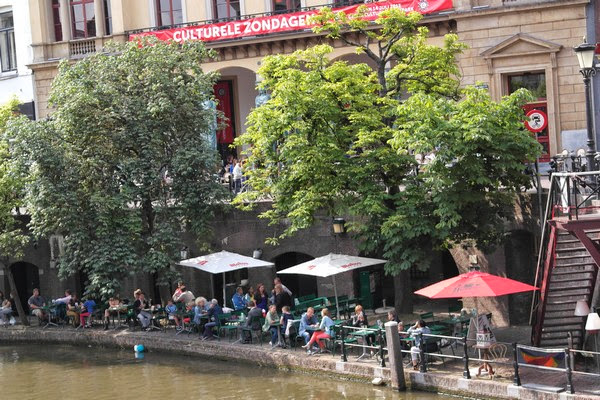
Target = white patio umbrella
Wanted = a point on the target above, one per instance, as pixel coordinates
(222, 262)
(331, 265)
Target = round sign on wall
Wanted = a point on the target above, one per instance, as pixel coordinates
(536, 121)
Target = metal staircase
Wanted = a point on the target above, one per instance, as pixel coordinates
(568, 266)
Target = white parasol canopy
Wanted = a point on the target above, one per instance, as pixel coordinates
(222, 262)
(331, 265)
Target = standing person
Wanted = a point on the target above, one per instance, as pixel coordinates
(177, 291)
(324, 332)
(213, 319)
(308, 320)
(237, 177)
(414, 332)
(87, 309)
(184, 296)
(271, 319)
(36, 302)
(140, 306)
(282, 298)
(277, 281)
(261, 298)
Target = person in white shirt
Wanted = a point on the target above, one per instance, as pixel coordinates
(237, 177)
(65, 299)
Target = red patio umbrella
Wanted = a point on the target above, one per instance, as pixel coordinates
(474, 284)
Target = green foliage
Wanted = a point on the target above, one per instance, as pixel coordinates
(123, 165)
(12, 237)
(339, 138)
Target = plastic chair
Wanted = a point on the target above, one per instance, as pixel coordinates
(254, 327)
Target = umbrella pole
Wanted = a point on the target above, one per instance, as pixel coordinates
(337, 306)
(224, 295)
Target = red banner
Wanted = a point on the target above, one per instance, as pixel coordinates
(286, 22)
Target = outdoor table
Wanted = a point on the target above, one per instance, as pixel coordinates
(363, 335)
(118, 310)
(280, 342)
(49, 310)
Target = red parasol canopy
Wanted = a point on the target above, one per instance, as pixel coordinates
(474, 284)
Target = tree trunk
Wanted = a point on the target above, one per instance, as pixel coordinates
(403, 293)
(13, 289)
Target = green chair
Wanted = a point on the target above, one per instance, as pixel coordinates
(225, 327)
(254, 328)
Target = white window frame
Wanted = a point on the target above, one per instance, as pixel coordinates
(16, 66)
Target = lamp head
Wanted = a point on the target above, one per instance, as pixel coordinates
(338, 225)
(586, 55)
(593, 323)
(582, 309)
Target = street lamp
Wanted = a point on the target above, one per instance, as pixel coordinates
(592, 326)
(338, 225)
(586, 55)
(183, 253)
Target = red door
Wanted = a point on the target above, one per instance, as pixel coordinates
(224, 96)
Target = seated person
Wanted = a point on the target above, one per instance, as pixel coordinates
(113, 304)
(87, 309)
(73, 310)
(238, 299)
(171, 311)
(140, 306)
(5, 312)
(65, 299)
(36, 302)
(250, 295)
(252, 321)
(324, 332)
(308, 320)
(199, 310)
(359, 319)
(271, 319)
(414, 331)
(213, 319)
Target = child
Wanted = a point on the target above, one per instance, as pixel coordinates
(171, 309)
(86, 311)
(286, 316)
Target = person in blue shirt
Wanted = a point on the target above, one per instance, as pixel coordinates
(325, 331)
(308, 320)
(238, 299)
(88, 309)
(213, 319)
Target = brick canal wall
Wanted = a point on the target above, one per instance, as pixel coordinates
(283, 359)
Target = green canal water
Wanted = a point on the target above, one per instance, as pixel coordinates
(59, 372)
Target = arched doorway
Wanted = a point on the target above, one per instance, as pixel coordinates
(300, 285)
(26, 278)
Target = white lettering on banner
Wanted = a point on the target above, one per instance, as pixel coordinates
(288, 22)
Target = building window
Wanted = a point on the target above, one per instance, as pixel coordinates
(340, 3)
(8, 55)
(107, 18)
(226, 9)
(169, 12)
(536, 83)
(282, 6)
(83, 19)
(56, 20)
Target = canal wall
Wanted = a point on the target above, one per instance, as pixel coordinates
(450, 383)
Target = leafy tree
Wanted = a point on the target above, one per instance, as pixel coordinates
(13, 238)
(123, 165)
(341, 138)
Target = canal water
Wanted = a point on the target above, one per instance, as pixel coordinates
(60, 372)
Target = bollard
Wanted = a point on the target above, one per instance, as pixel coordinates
(466, 372)
(344, 356)
(570, 388)
(423, 360)
(570, 344)
(516, 378)
(395, 355)
(380, 332)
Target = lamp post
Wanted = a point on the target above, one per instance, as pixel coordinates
(183, 253)
(586, 55)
